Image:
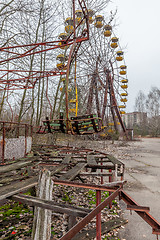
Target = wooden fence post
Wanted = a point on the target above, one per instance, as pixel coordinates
(42, 217)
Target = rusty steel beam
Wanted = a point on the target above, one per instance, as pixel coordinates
(66, 85)
(110, 187)
(143, 214)
(105, 98)
(83, 6)
(29, 71)
(72, 54)
(98, 217)
(138, 208)
(25, 54)
(74, 20)
(31, 76)
(80, 225)
(21, 81)
(85, 17)
(53, 44)
(156, 231)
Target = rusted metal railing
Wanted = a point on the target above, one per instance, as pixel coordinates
(7, 126)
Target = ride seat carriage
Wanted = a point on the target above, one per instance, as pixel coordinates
(84, 124)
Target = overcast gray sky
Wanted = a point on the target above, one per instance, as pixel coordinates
(139, 30)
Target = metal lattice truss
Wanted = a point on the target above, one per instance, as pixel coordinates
(21, 79)
(12, 78)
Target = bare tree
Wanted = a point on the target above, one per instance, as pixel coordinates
(140, 102)
(149, 105)
(25, 22)
(153, 110)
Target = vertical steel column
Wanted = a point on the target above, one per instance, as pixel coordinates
(98, 217)
(68, 127)
(75, 84)
(110, 177)
(3, 143)
(110, 180)
(74, 19)
(105, 96)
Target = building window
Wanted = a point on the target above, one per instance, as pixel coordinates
(135, 118)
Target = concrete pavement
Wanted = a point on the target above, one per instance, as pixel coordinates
(143, 185)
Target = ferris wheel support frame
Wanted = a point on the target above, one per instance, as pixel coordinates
(96, 89)
(113, 103)
(115, 107)
(105, 96)
(73, 52)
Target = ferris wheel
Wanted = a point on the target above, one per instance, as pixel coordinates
(101, 60)
(98, 74)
